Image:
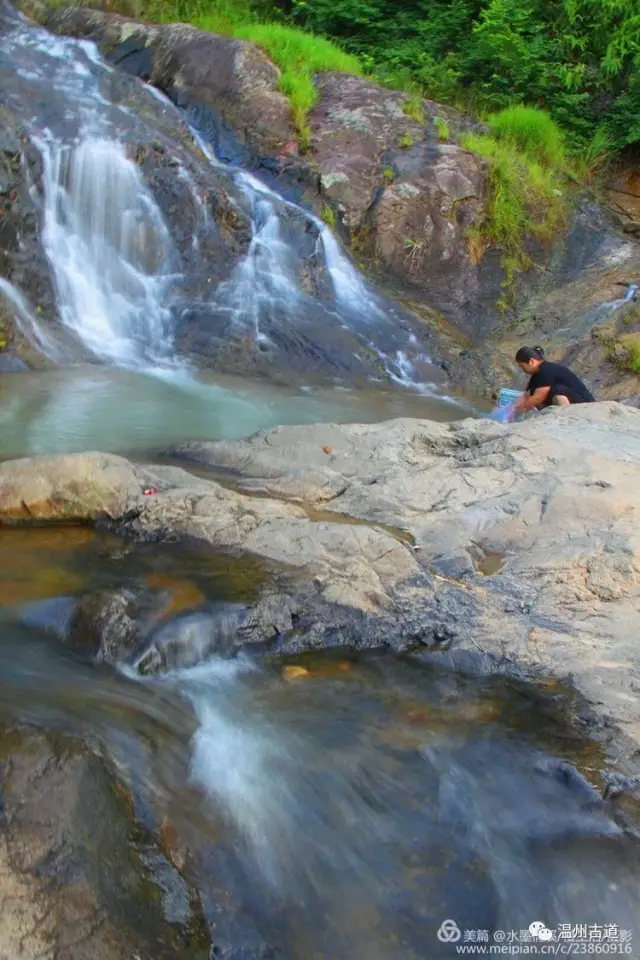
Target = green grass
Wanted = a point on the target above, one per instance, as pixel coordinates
(442, 127)
(532, 132)
(406, 141)
(630, 342)
(413, 107)
(525, 197)
(299, 55)
(388, 175)
(329, 216)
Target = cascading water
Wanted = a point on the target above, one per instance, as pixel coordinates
(111, 252)
(265, 278)
(120, 279)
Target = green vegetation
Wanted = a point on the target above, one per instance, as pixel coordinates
(388, 175)
(621, 349)
(442, 127)
(413, 107)
(329, 216)
(629, 355)
(406, 141)
(577, 59)
(532, 132)
(527, 171)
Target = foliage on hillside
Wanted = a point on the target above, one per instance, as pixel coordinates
(299, 54)
(578, 59)
(558, 82)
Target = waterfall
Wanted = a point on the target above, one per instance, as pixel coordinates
(111, 253)
(265, 278)
(123, 285)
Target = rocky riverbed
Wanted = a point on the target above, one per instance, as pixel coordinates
(502, 548)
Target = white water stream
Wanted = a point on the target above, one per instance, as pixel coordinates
(116, 268)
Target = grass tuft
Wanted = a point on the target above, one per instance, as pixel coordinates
(532, 132)
(525, 197)
(329, 217)
(414, 108)
(300, 56)
(406, 141)
(442, 127)
(630, 356)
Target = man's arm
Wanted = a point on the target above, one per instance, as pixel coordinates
(529, 401)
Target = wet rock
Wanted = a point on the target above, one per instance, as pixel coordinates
(71, 881)
(191, 638)
(109, 625)
(234, 77)
(555, 496)
(9, 362)
(405, 200)
(22, 259)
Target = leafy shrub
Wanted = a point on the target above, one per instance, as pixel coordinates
(532, 132)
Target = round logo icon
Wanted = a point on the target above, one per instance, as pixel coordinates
(449, 932)
(537, 929)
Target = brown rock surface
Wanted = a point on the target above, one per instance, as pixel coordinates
(234, 77)
(75, 487)
(528, 536)
(71, 882)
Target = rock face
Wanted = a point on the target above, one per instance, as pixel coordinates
(531, 533)
(69, 870)
(231, 76)
(402, 191)
(22, 258)
(404, 199)
(578, 312)
(527, 537)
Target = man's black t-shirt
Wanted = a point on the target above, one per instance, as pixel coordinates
(562, 381)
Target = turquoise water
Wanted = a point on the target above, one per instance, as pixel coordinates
(98, 408)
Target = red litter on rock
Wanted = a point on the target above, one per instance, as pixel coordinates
(150, 492)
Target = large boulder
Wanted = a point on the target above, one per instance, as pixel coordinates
(73, 859)
(77, 487)
(519, 542)
(232, 77)
(403, 198)
(531, 532)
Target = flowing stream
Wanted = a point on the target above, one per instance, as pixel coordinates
(331, 807)
(343, 810)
